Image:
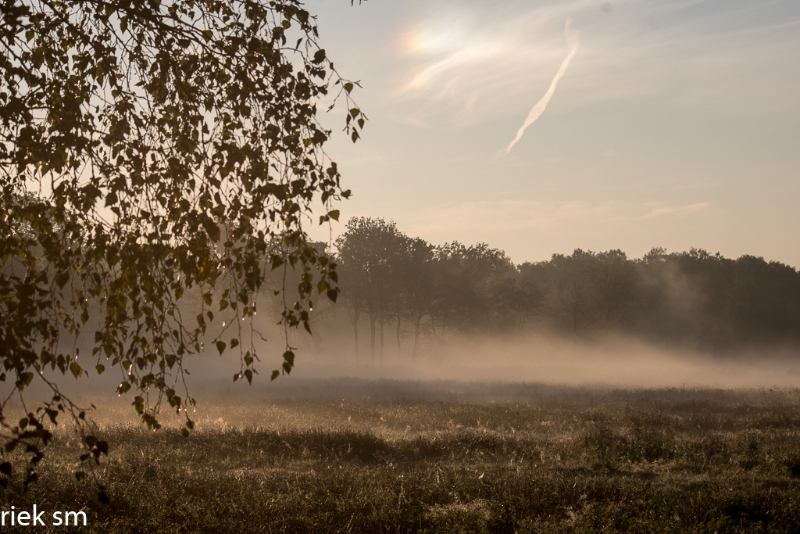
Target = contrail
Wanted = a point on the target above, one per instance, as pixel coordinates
(538, 109)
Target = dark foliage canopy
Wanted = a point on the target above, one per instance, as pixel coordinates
(151, 152)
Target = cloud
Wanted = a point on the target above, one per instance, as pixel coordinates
(676, 210)
(734, 58)
(501, 216)
(541, 105)
(527, 230)
(491, 57)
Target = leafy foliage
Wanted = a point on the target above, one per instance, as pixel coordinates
(693, 297)
(391, 278)
(150, 153)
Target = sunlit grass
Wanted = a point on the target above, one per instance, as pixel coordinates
(560, 460)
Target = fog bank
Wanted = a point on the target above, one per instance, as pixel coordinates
(610, 362)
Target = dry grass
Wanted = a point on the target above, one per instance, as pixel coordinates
(540, 459)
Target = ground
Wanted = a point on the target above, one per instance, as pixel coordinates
(360, 456)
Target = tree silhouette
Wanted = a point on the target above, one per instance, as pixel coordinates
(694, 297)
(370, 253)
(593, 290)
(472, 286)
(415, 279)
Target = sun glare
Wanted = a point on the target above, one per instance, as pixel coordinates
(430, 37)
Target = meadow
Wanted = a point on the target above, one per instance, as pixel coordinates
(384, 456)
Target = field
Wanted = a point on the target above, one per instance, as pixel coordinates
(382, 456)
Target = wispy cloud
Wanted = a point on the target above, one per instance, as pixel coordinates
(493, 56)
(732, 58)
(676, 210)
(541, 105)
(500, 216)
(528, 230)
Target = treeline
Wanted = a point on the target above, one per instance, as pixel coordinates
(403, 289)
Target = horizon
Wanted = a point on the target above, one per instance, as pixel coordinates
(332, 246)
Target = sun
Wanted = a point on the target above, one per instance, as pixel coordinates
(430, 37)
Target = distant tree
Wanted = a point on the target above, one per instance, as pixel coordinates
(616, 285)
(532, 287)
(471, 286)
(370, 252)
(393, 278)
(765, 301)
(572, 284)
(718, 303)
(416, 283)
(151, 152)
(593, 289)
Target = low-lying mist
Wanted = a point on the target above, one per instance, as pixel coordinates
(612, 361)
(331, 369)
(465, 369)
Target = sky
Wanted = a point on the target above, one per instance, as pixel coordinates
(638, 123)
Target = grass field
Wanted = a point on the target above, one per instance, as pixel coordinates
(394, 457)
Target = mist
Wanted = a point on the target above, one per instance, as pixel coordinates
(480, 368)
(418, 321)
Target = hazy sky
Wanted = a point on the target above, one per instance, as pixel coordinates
(672, 123)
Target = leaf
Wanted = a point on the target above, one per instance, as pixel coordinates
(111, 199)
(221, 347)
(288, 361)
(62, 278)
(348, 87)
(100, 368)
(211, 229)
(275, 374)
(75, 369)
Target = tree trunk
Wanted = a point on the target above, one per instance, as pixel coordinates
(398, 334)
(417, 325)
(372, 337)
(382, 323)
(355, 335)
